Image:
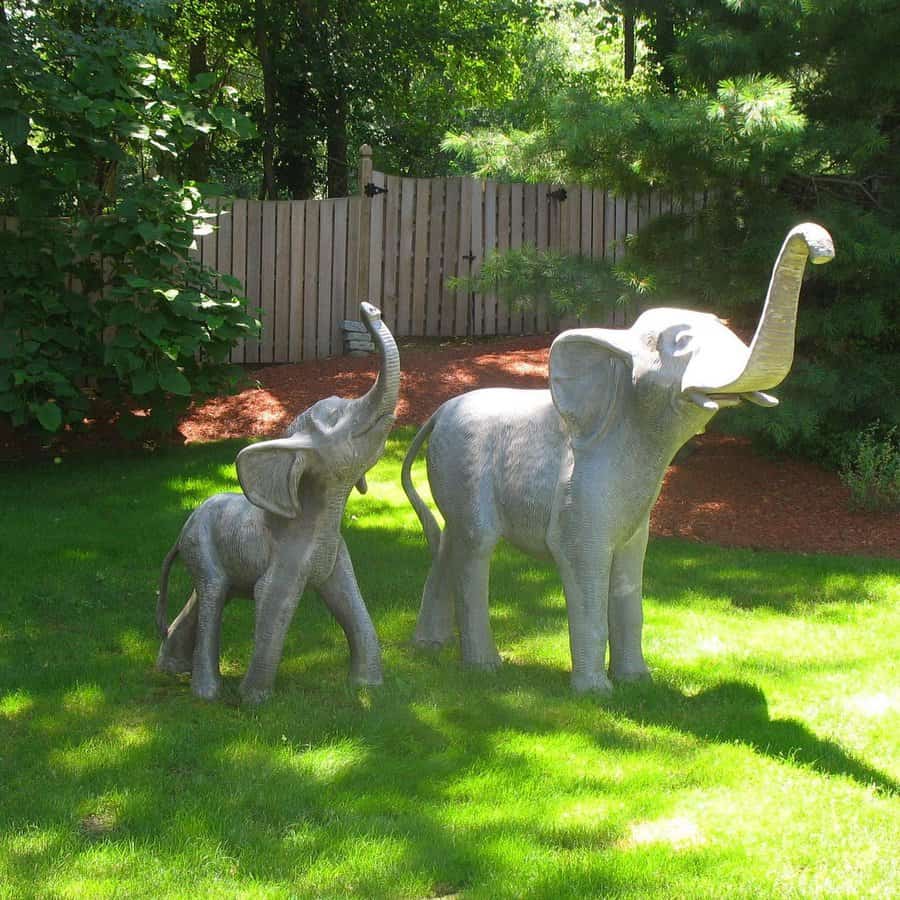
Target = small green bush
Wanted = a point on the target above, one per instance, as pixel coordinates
(872, 470)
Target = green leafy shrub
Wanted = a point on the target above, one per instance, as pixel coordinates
(102, 308)
(872, 470)
(568, 285)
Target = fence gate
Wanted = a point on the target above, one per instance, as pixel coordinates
(306, 264)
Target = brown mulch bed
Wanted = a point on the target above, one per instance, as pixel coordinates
(723, 492)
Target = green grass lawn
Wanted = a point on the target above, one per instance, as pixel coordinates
(762, 761)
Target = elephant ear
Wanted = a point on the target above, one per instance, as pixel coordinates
(587, 367)
(270, 474)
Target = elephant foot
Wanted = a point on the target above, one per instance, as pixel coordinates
(485, 663)
(173, 665)
(206, 689)
(254, 696)
(591, 683)
(366, 679)
(430, 644)
(631, 676)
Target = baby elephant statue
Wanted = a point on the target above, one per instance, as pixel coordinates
(572, 473)
(283, 534)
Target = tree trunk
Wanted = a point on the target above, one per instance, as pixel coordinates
(664, 28)
(197, 165)
(264, 51)
(336, 148)
(628, 26)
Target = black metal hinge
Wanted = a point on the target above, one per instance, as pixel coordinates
(559, 194)
(372, 189)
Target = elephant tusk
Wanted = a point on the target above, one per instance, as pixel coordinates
(703, 401)
(760, 398)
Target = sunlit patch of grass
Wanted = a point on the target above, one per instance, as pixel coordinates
(762, 761)
(15, 704)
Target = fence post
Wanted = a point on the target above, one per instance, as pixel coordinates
(365, 226)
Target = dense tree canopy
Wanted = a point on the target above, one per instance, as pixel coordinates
(778, 110)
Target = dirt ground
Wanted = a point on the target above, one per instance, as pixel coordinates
(723, 493)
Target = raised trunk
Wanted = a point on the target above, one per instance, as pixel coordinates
(381, 399)
(772, 349)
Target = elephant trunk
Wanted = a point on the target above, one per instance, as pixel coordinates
(772, 348)
(381, 399)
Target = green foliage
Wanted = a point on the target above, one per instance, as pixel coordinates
(568, 285)
(872, 470)
(102, 308)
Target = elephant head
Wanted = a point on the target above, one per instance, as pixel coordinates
(336, 440)
(680, 367)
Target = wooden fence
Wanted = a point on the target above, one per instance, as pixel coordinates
(306, 264)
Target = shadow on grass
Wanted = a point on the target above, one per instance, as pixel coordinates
(737, 711)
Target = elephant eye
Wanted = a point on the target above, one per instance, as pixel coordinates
(682, 343)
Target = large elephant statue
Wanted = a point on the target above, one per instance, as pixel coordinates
(572, 473)
(281, 535)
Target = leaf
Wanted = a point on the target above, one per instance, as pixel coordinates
(204, 81)
(9, 401)
(14, 127)
(148, 231)
(49, 415)
(143, 382)
(174, 382)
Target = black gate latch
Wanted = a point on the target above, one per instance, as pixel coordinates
(371, 189)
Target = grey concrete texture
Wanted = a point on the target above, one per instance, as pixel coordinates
(571, 473)
(281, 535)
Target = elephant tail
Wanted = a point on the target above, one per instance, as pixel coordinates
(426, 517)
(162, 604)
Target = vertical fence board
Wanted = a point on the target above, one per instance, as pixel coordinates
(339, 272)
(391, 250)
(464, 263)
(281, 349)
(326, 249)
(504, 242)
(587, 220)
(435, 252)
(477, 245)
(529, 236)
(405, 262)
(267, 268)
(490, 303)
(542, 322)
(420, 251)
(295, 335)
(598, 230)
(254, 243)
(376, 242)
(516, 318)
(451, 254)
(354, 225)
(310, 279)
(239, 264)
(223, 263)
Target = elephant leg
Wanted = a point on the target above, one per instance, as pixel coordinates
(276, 596)
(176, 653)
(206, 680)
(626, 616)
(341, 594)
(434, 627)
(585, 569)
(470, 564)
